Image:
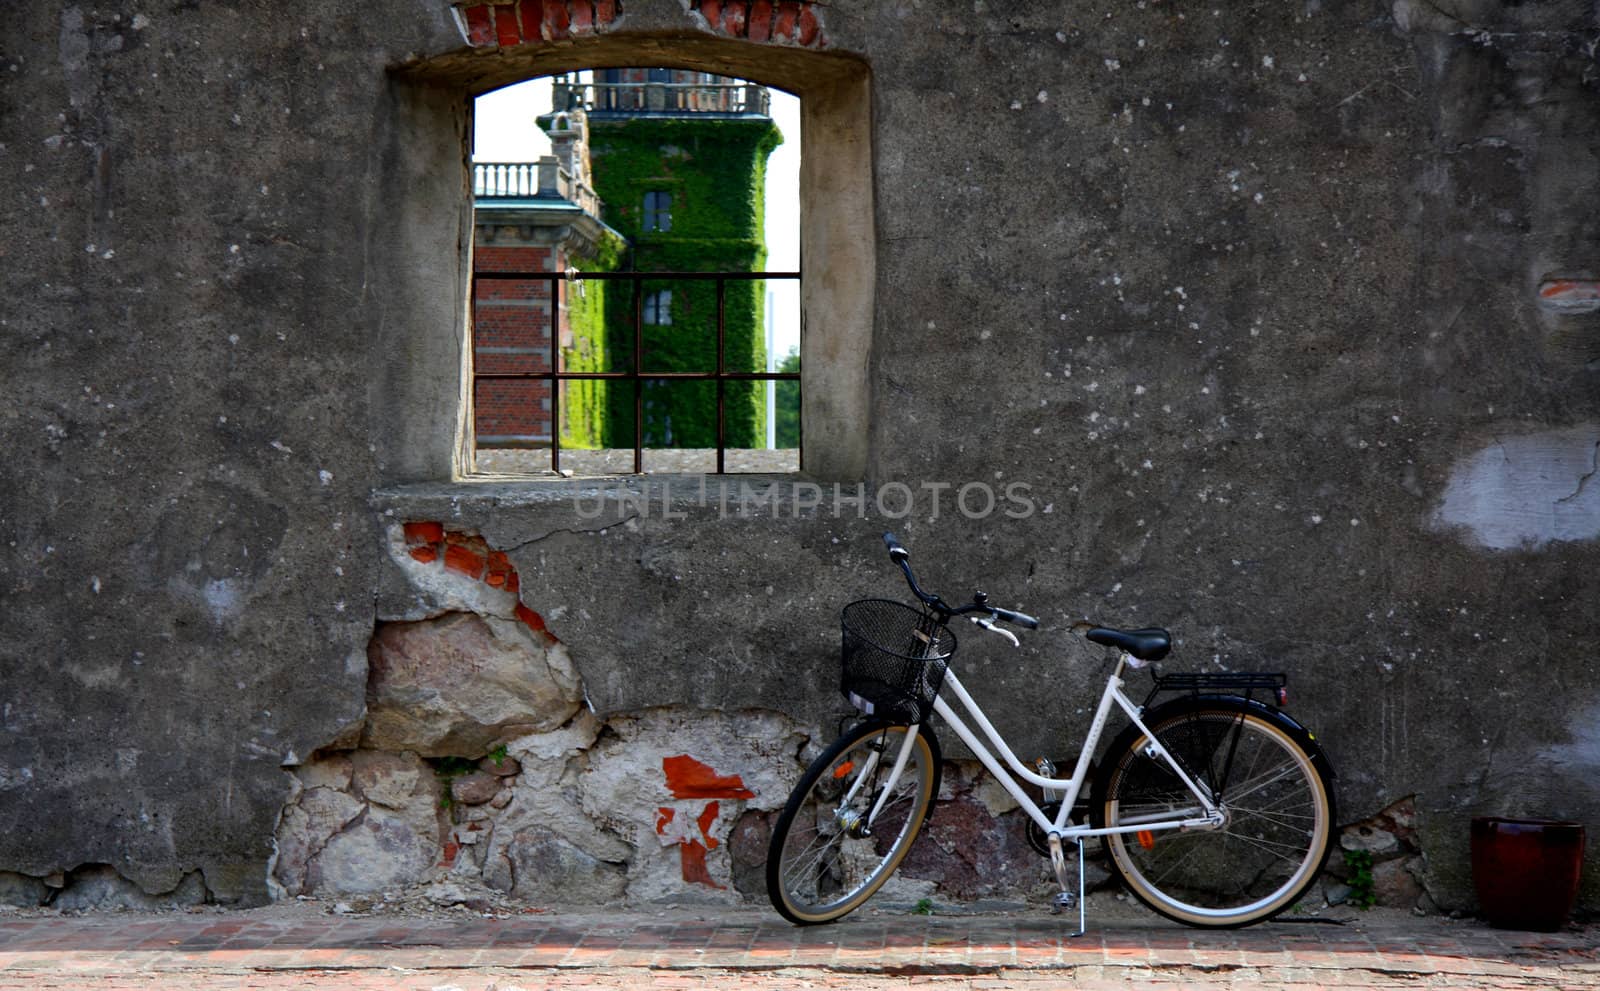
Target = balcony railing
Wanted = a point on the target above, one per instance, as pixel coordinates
(544, 179)
(663, 97)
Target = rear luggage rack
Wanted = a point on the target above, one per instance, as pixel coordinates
(1234, 682)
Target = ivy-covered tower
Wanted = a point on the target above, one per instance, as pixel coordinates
(679, 159)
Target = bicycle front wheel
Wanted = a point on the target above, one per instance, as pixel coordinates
(1276, 800)
(829, 853)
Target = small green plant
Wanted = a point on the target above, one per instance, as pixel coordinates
(1359, 865)
(498, 755)
(924, 906)
(448, 768)
(453, 767)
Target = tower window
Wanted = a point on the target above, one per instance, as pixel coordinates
(658, 308)
(657, 211)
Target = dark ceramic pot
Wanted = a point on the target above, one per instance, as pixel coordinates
(1526, 871)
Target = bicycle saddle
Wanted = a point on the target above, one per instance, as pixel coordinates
(1149, 644)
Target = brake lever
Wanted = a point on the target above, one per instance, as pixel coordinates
(988, 624)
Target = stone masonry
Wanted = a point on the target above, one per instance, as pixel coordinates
(1276, 324)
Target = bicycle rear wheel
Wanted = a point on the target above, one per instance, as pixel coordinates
(1276, 799)
(825, 858)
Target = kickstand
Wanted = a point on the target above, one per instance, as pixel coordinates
(1065, 897)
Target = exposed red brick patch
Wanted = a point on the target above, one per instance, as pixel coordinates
(519, 22)
(507, 23)
(1579, 295)
(470, 555)
(688, 778)
(791, 22)
(693, 858)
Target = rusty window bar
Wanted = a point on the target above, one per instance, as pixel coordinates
(555, 376)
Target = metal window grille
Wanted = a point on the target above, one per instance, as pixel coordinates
(636, 373)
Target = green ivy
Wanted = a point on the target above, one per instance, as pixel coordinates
(715, 170)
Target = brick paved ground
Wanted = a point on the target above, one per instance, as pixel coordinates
(754, 951)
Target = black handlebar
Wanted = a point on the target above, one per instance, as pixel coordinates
(902, 557)
(1020, 619)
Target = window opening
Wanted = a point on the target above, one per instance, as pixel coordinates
(657, 211)
(658, 308)
(596, 352)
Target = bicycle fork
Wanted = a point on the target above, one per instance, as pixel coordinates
(853, 822)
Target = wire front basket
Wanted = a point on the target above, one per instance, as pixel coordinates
(894, 659)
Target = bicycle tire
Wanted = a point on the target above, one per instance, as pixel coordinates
(819, 865)
(1275, 789)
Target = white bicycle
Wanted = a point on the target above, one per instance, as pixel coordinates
(1217, 809)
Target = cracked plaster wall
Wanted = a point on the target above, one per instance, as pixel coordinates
(1245, 296)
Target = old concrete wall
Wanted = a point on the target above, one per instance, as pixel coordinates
(1284, 314)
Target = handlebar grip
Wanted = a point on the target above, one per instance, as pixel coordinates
(896, 552)
(1020, 619)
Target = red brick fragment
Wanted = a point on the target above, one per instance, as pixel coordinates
(531, 14)
(784, 20)
(760, 20)
(506, 31)
(480, 25)
(555, 20)
(424, 533)
(467, 562)
(427, 555)
(534, 622)
(664, 817)
(809, 30)
(734, 15)
(498, 571)
(688, 778)
(711, 10)
(582, 17)
(605, 11)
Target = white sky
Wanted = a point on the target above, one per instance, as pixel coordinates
(505, 131)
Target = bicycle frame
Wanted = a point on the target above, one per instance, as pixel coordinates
(1208, 814)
